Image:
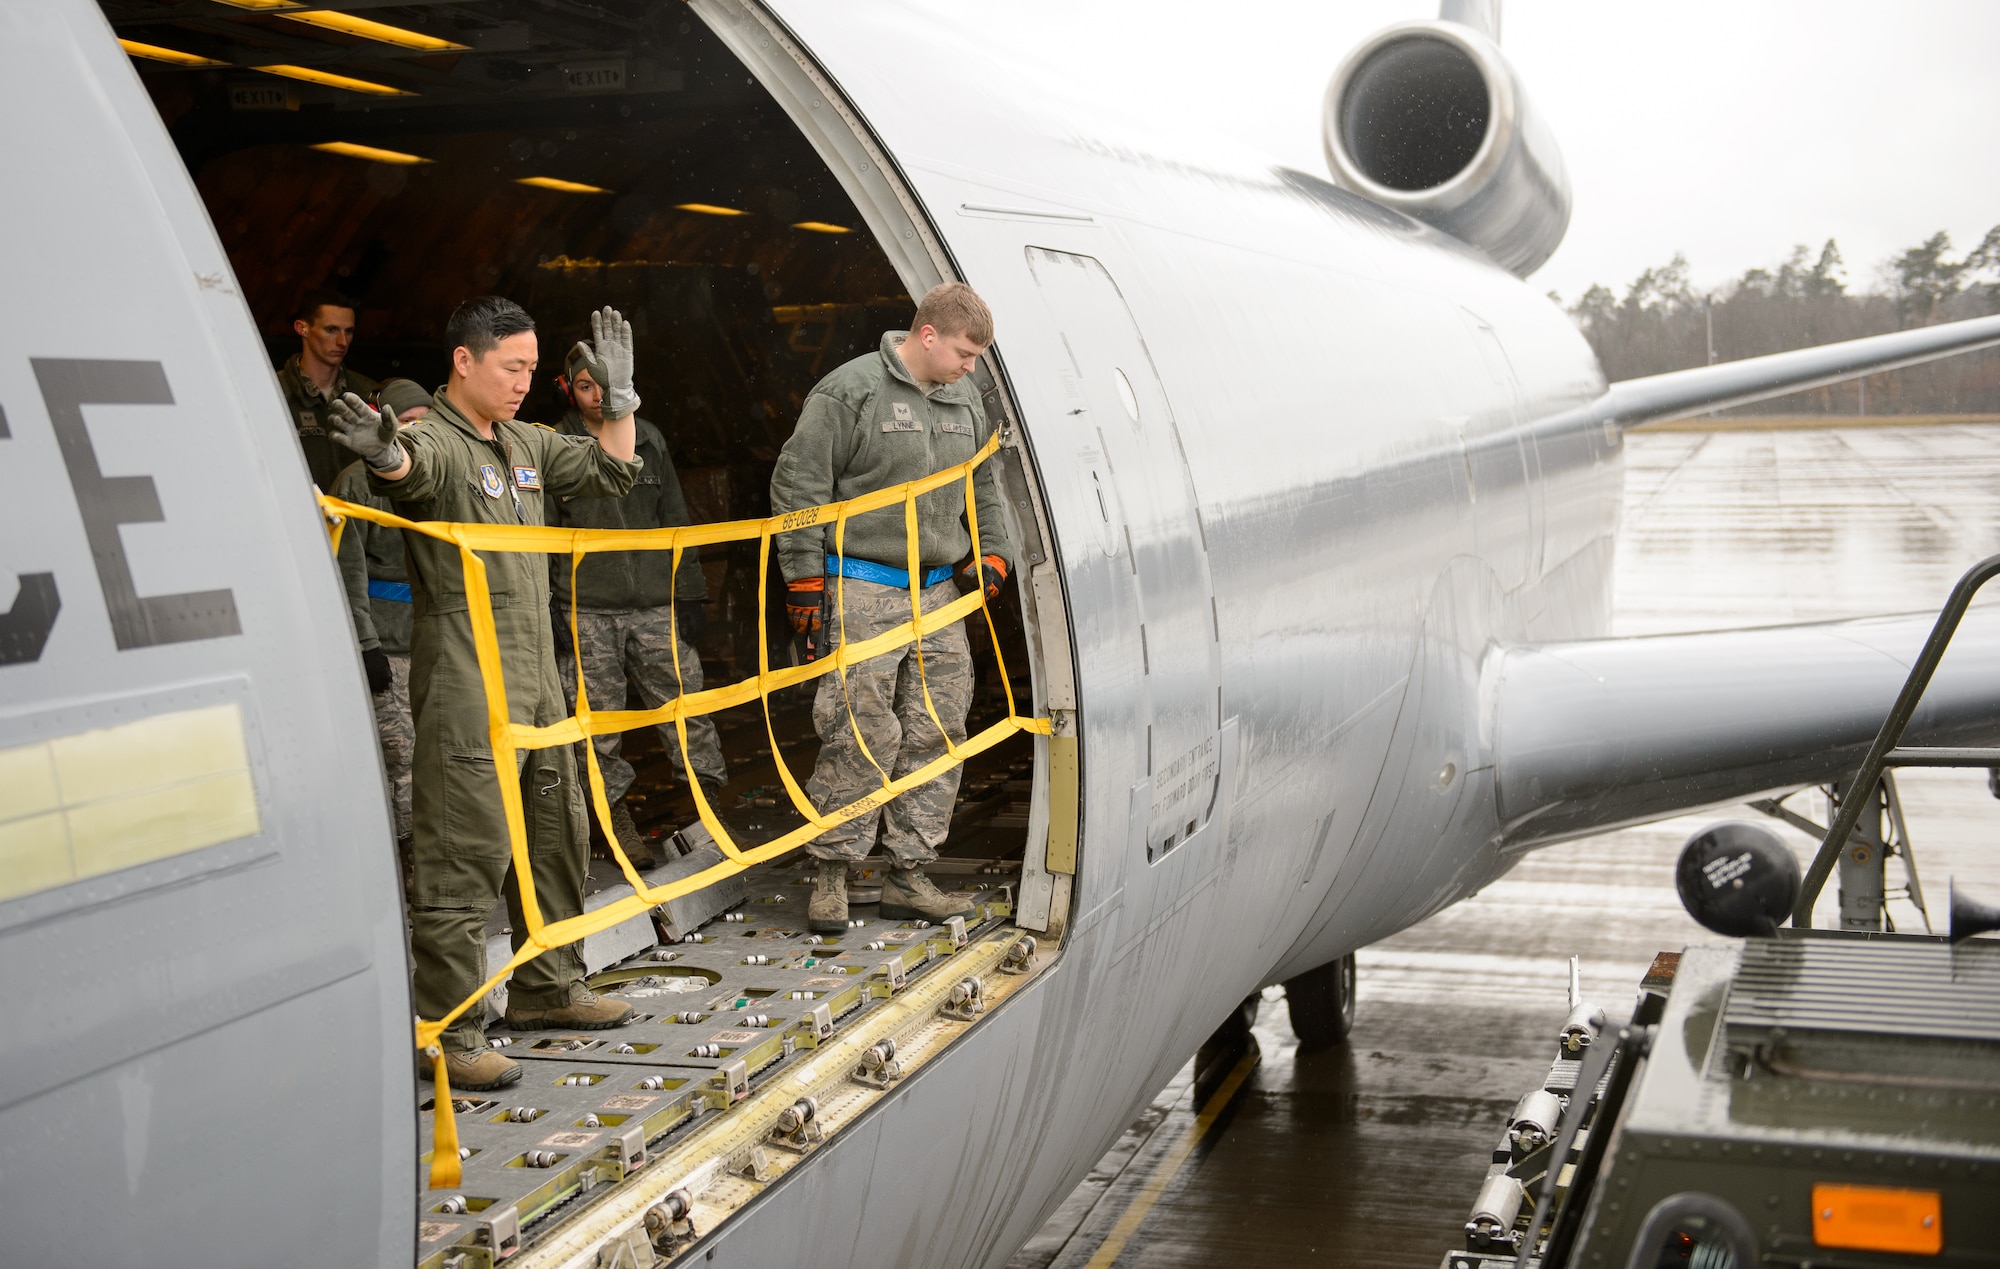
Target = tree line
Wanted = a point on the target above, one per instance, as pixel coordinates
(1662, 323)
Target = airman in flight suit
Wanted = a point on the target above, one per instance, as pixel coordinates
(471, 461)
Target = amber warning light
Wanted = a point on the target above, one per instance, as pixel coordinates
(1875, 1218)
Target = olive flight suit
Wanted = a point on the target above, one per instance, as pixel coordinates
(460, 846)
(325, 457)
(867, 426)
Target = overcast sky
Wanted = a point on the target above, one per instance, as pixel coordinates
(1728, 131)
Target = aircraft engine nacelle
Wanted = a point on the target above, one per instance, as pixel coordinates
(1430, 119)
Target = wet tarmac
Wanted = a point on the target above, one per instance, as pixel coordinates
(1370, 1154)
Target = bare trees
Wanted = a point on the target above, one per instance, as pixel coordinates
(1662, 323)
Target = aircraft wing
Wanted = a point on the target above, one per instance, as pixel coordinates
(1597, 734)
(1681, 393)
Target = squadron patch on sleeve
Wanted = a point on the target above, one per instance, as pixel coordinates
(489, 480)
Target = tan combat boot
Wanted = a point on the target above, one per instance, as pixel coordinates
(585, 1011)
(908, 895)
(474, 1070)
(828, 912)
(636, 848)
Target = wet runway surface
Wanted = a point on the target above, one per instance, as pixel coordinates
(1370, 1154)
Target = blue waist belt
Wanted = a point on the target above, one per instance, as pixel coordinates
(397, 591)
(881, 574)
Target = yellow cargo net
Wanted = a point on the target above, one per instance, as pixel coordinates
(509, 737)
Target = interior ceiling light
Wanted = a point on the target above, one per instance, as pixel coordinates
(821, 227)
(566, 187)
(708, 209)
(382, 32)
(331, 80)
(370, 152)
(170, 55)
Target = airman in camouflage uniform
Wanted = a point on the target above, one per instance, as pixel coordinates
(471, 462)
(377, 579)
(901, 413)
(629, 607)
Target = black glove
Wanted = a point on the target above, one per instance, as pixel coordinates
(380, 677)
(690, 618)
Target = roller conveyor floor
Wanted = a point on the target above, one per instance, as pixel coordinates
(685, 1099)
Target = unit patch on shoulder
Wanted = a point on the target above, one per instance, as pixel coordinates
(527, 477)
(953, 425)
(489, 480)
(901, 419)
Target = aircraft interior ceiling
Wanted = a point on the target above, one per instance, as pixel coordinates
(566, 156)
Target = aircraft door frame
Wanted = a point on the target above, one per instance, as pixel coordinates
(1154, 518)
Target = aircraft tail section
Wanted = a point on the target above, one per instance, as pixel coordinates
(1593, 735)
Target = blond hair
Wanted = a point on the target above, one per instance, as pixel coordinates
(953, 308)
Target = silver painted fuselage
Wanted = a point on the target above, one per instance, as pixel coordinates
(1284, 555)
(1284, 441)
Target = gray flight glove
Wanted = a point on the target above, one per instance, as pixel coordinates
(369, 433)
(611, 340)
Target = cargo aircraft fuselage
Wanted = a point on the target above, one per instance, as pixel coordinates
(1292, 472)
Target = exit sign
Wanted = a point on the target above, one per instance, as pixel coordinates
(606, 75)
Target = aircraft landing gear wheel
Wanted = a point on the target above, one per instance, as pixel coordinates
(1321, 1002)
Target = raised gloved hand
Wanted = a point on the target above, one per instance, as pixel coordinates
(369, 433)
(380, 677)
(611, 343)
(802, 604)
(996, 576)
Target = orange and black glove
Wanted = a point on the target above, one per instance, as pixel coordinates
(802, 605)
(996, 576)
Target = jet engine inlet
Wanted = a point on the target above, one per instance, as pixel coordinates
(1428, 118)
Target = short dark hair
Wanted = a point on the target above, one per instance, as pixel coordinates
(479, 324)
(318, 298)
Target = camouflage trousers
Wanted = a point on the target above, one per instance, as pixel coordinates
(885, 698)
(637, 646)
(397, 734)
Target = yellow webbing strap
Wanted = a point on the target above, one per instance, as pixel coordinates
(508, 736)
